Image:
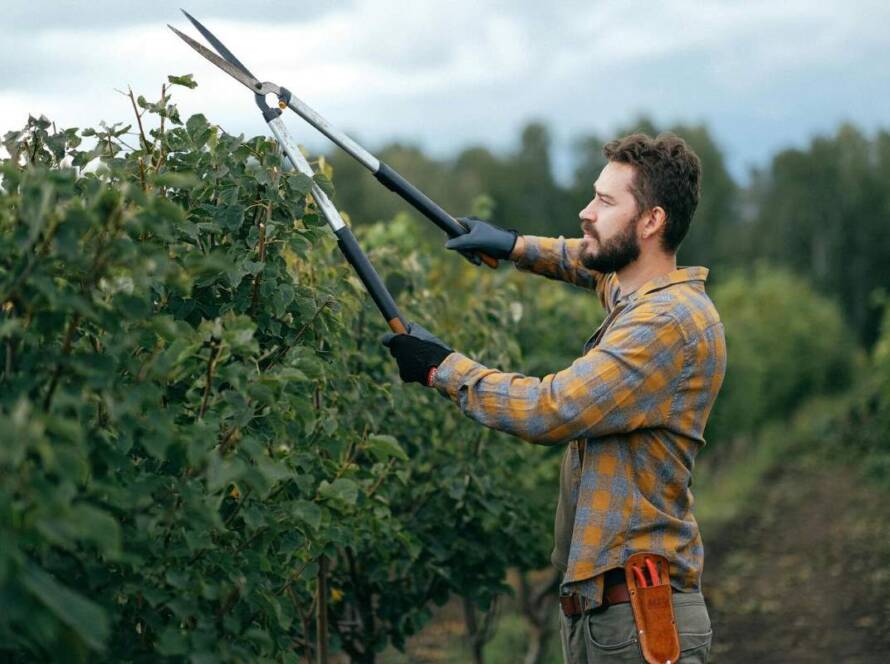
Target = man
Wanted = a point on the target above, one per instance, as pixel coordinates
(633, 407)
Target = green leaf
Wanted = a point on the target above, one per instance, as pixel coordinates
(273, 470)
(172, 642)
(179, 579)
(155, 443)
(254, 516)
(154, 596)
(185, 80)
(176, 180)
(384, 446)
(229, 217)
(86, 618)
(343, 490)
(308, 513)
(222, 472)
(238, 333)
(260, 392)
(324, 184)
(196, 124)
(282, 298)
(298, 183)
(290, 375)
(10, 327)
(99, 527)
(198, 130)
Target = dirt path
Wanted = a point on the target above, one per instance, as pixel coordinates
(806, 578)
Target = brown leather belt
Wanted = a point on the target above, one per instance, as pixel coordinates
(614, 592)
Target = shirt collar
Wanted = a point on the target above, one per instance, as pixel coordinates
(678, 276)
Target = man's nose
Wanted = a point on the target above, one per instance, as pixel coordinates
(587, 214)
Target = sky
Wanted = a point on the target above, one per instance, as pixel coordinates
(762, 75)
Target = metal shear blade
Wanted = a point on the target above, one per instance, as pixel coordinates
(234, 69)
(217, 45)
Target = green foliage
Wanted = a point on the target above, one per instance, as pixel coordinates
(785, 343)
(858, 430)
(185, 81)
(869, 419)
(882, 358)
(520, 186)
(823, 213)
(196, 411)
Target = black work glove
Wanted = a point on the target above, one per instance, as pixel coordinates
(416, 352)
(484, 236)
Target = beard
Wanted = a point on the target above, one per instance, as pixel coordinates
(617, 253)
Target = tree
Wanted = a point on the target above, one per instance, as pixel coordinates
(785, 343)
(823, 213)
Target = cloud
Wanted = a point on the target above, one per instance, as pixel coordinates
(761, 73)
(37, 15)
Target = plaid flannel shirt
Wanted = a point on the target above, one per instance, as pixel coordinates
(637, 401)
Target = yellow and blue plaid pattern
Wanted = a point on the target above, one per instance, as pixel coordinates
(637, 400)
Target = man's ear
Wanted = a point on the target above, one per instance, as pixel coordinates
(654, 222)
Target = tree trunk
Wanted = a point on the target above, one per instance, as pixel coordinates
(479, 634)
(321, 623)
(360, 645)
(537, 644)
(538, 602)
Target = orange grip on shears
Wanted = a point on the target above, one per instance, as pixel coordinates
(397, 326)
(488, 260)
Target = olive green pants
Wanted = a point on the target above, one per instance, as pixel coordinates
(611, 636)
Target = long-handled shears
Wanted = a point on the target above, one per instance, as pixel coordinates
(387, 176)
(345, 239)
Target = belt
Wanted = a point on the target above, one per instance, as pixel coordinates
(614, 592)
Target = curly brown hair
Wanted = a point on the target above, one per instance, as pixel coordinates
(667, 174)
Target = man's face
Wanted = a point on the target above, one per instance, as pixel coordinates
(610, 220)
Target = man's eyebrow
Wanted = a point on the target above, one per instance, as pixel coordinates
(603, 194)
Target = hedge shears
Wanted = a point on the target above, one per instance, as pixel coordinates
(345, 239)
(386, 175)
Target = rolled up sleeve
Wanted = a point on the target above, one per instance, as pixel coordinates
(560, 259)
(626, 382)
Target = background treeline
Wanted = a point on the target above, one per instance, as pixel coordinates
(820, 212)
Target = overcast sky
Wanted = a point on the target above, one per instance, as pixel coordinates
(763, 75)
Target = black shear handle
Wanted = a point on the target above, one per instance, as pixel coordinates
(372, 281)
(392, 180)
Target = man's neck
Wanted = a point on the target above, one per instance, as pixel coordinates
(638, 273)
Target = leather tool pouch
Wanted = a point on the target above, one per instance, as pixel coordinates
(652, 608)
